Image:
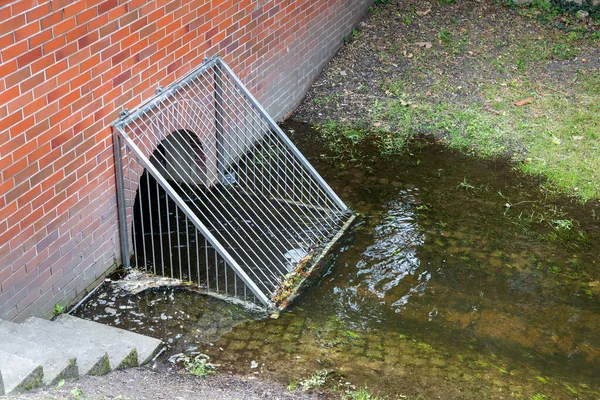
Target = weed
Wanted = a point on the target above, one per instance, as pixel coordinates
(58, 309)
(445, 36)
(199, 365)
(465, 185)
(442, 2)
(562, 224)
(360, 394)
(396, 88)
(564, 51)
(77, 393)
(316, 380)
(538, 396)
(292, 386)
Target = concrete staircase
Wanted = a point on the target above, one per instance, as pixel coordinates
(39, 352)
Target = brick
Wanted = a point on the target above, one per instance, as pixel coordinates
(12, 24)
(87, 15)
(32, 82)
(26, 31)
(54, 44)
(64, 26)
(36, 13)
(74, 8)
(107, 5)
(51, 19)
(14, 51)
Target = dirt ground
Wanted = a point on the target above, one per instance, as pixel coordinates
(144, 383)
(447, 51)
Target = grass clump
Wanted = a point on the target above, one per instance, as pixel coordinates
(316, 380)
(199, 365)
(360, 394)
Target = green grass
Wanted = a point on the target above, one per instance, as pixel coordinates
(557, 136)
(360, 394)
(198, 366)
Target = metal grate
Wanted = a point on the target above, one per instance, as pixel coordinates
(211, 190)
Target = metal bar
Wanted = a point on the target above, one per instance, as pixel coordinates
(162, 248)
(151, 224)
(197, 223)
(219, 121)
(121, 205)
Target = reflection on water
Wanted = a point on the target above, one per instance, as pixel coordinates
(460, 280)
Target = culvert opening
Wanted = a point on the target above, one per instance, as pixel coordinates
(212, 192)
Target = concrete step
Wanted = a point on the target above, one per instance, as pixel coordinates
(91, 359)
(124, 348)
(40, 352)
(56, 364)
(19, 374)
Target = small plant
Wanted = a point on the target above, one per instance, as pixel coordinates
(292, 386)
(538, 396)
(562, 224)
(199, 365)
(465, 185)
(442, 2)
(316, 380)
(445, 36)
(563, 51)
(360, 394)
(77, 393)
(58, 309)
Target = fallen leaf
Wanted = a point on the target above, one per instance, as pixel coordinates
(407, 54)
(577, 137)
(377, 124)
(427, 45)
(428, 93)
(424, 13)
(524, 102)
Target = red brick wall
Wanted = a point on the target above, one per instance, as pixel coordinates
(67, 68)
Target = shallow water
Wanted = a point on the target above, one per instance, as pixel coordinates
(459, 280)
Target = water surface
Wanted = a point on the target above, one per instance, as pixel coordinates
(461, 279)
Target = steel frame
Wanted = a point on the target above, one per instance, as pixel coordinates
(254, 214)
